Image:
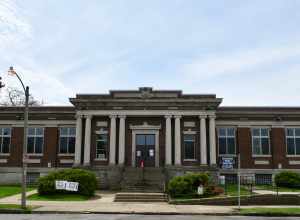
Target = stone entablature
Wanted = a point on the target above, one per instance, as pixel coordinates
(145, 99)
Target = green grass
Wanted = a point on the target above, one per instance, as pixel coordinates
(58, 197)
(14, 208)
(232, 190)
(11, 190)
(273, 188)
(270, 211)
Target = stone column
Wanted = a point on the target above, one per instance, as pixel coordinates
(78, 141)
(168, 140)
(87, 140)
(203, 147)
(122, 140)
(212, 139)
(177, 140)
(112, 140)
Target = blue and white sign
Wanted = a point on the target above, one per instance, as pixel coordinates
(227, 163)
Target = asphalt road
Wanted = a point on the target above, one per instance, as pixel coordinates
(130, 217)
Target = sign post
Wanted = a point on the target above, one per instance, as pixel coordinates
(239, 183)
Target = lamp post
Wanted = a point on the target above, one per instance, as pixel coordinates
(12, 72)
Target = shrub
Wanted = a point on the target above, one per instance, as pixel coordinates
(197, 179)
(187, 184)
(86, 179)
(179, 186)
(287, 179)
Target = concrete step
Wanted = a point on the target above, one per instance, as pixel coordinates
(141, 197)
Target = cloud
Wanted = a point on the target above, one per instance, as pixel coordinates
(13, 25)
(239, 62)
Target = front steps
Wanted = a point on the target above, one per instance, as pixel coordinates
(137, 180)
(141, 197)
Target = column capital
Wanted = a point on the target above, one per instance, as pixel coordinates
(168, 116)
(202, 116)
(77, 116)
(113, 116)
(88, 116)
(122, 116)
(212, 116)
(177, 116)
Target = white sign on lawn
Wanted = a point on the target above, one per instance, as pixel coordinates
(65, 185)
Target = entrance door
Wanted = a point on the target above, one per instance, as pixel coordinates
(145, 150)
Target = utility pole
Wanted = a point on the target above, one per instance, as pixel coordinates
(239, 182)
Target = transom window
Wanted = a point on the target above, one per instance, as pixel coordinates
(260, 141)
(35, 140)
(5, 137)
(226, 141)
(189, 146)
(101, 146)
(293, 141)
(67, 136)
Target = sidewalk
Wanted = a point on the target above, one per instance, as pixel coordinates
(105, 204)
(269, 192)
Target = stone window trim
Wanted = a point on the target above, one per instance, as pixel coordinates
(193, 134)
(260, 136)
(68, 136)
(2, 135)
(227, 136)
(294, 136)
(36, 136)
(102, 132)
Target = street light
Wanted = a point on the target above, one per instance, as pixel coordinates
(12, 72)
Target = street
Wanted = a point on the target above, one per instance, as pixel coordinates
(129, 217)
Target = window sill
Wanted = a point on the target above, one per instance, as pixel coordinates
(63, 155)
(189, 160)
(4, 154)
(262, 155)
(98, 159)
(227, 155)
(292, 156)
(31, 154)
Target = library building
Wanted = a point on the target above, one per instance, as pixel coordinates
(162, 133)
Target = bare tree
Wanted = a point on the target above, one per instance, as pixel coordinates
(16, 97)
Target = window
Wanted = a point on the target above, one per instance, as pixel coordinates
(67, 140)
(293, 141)
(226, 141)
(5, 136)
(260, 141)
(35, 140)
(101, 146)
(189, 146)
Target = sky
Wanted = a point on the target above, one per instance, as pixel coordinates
(246, 52)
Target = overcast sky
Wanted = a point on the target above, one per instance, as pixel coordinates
(247, 52)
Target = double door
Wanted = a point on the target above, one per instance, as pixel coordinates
(145, 150)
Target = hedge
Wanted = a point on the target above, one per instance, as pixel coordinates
(86, 179)
(187, 185)
(288, 179)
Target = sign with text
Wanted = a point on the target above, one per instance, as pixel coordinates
(227, 163)
(65, 185)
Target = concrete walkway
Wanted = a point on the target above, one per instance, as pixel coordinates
(270, 192)
(105, 204)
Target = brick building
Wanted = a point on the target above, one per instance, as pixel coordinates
(166, 130)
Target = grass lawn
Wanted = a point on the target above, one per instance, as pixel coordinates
(232, 190)
(11, 190)
(271, 211)
(13, 208)
(273, 188)
(58, 197)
